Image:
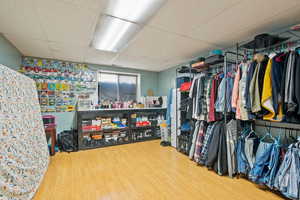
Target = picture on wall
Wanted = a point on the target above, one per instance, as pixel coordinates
(59, 83)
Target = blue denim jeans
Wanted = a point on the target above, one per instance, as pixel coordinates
(260, 167)
(242, 164)
(273, 166)
(287, 180)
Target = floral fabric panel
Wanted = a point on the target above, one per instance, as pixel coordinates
(24, 154)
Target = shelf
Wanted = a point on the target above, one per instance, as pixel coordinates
(91, 131)
(115, 144)
(144, 127)
(123, 109)
(114, 129)
(106, 130)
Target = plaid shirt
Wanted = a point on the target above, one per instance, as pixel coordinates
(199, 141)
(206, 142)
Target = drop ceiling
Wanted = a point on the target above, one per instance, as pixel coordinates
(181, 30)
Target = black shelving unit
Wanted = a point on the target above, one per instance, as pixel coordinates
(183, 137)
(118, 136)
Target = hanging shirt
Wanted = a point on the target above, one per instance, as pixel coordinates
(220, 103)
(254, 91)
(235, 92)
(290, 83)
(230, 81)
(243, 93)
(211, 114)
(250, 72)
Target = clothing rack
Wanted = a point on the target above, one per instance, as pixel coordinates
(283, 46)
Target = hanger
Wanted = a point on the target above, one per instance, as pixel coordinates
(297, 49)
(268, 135)
(286, 141)
(293, 139)
(272, 55)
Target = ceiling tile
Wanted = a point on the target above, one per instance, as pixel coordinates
(98, 57)
(160, 45)
(31, 47)
(65, 51)
(20, 18)
(178, 15)
(241, 17)
(88, 4)
(138, 62)
(66, 22)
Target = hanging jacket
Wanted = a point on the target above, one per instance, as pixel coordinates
(242, 92)
(235, 93)
(250, 72)
(267, 100)
(290, 83)
(255, 87)
(276, 76)
(297, 84)
(261, 75)
(282, 89)
(254, 91)
(290, 92)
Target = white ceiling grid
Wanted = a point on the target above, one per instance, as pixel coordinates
(181, 30)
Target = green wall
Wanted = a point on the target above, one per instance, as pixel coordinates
(9, 55)
(149, 80)
(166, 80)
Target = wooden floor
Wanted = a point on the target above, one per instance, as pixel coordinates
(139, 171)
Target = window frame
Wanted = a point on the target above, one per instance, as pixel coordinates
(138, 81)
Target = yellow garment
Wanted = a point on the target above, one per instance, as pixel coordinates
(279, 117)
(266, 99)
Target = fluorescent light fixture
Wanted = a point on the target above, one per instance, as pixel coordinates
(112, 34)
(121, 21)
(138, 11)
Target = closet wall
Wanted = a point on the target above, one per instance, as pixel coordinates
(9, 55)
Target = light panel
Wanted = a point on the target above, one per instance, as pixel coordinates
(138, 11)
(121, 21)
(112, 34)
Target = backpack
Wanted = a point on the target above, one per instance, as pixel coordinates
(67, 141)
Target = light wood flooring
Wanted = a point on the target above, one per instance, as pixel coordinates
(139, 171)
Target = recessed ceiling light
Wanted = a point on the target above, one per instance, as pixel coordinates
(121, 22)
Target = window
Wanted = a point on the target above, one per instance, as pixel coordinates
(117, 87)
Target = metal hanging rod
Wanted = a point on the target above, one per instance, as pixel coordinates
(233, 53)
(283, 45)
(280, 125)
